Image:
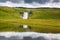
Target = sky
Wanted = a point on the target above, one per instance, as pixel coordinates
(31, 3)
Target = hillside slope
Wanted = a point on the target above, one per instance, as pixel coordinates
(40, 20)
(6, 12)
(46, 14)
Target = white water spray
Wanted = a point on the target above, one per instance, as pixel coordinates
(25, 15)
(25, 26)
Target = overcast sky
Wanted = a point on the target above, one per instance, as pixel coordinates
(30, 1)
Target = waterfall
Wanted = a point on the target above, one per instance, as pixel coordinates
(25, 26)
(25, 15)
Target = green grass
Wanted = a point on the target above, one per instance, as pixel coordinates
(40, 20)
(10, 13)
(45, 14)
(52, 26)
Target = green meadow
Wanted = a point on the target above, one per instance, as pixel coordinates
(41, 20)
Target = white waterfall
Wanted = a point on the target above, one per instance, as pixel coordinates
(25, 26)
(25, 15)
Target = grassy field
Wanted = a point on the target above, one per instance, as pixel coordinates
(40, 20)
(45, 14)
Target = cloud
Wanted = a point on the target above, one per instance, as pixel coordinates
(31, 4)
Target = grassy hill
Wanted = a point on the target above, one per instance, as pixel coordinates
(40, 20)
(9, 13)
(45, 14)
(6, 12)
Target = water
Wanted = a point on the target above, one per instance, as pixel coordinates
(25, 26)
(28, 36)
(25, 15)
